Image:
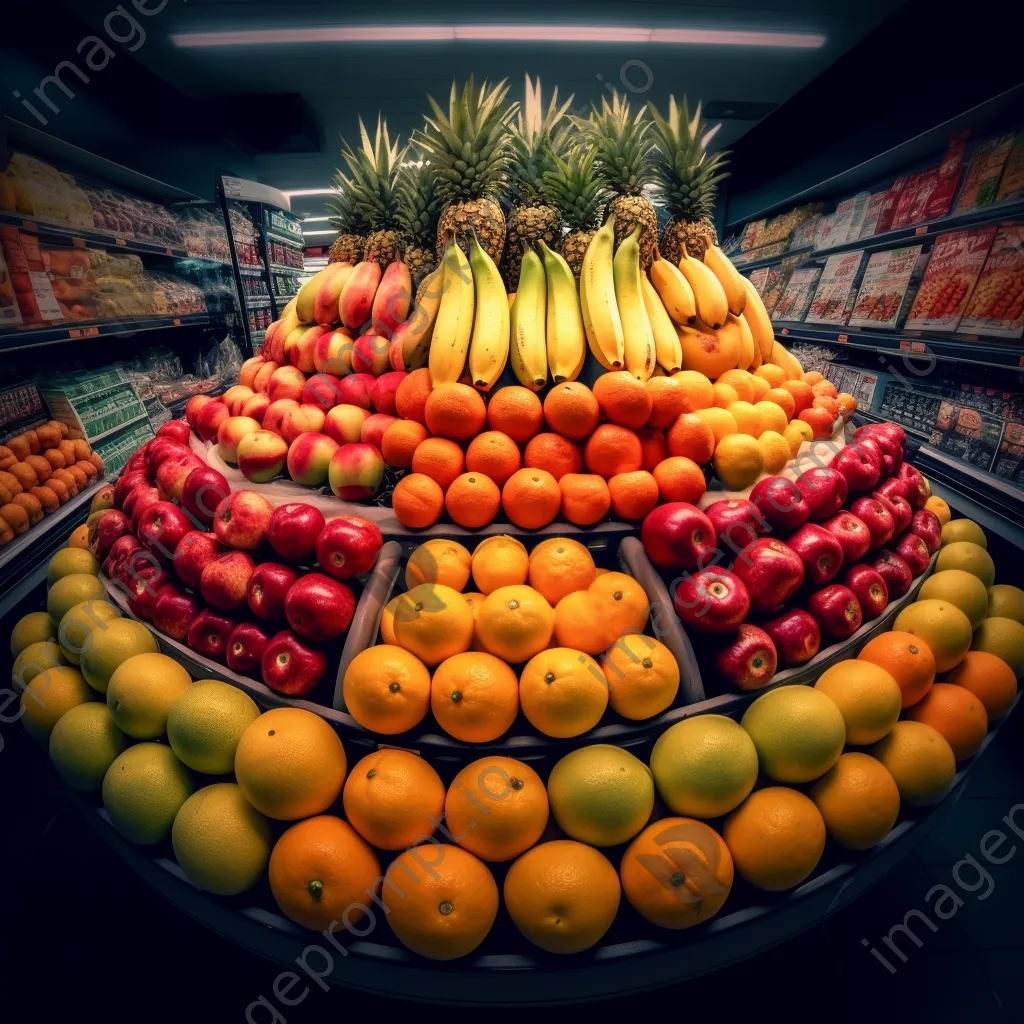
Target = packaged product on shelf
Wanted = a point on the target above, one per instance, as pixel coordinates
(837, 288)
(803, 237)
(862, 385)
(981, 180)
(892, 199)
(872, 213)
(848, 219)
(759, 278)
(10, 314)
(967, 434)
(953, 268)
(888, 287)
(1011, 184)
(93, 408)
(116, 449)
(824, 232)
(917, 184)
(996, 306)
(796, 298)
(948, 174)
(72, 280)
(20, 406)
(31, 283)
(1010, 460)
(750, 239)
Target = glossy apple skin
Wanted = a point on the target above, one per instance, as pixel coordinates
(677, 535)
(205, 488)
(712, 600)
(137, 501)
(172, 474)
(853, 536)
(356, 389)
(290, 666)
(124, 546)
(869, 588)
(384, 389)
(174, 613)
(196, 550)
(737, 523)
(749, 660)
(319, 608)
(877, 517)
(245, 648)
(772, 572)
(176, 430)
(309, 459)
(915, 489)
(224, 583)
(144, 592)
(107, 529)
(780, 503)
(210, 418)
(194, 406)
(160, 449)
(262, 456)
(796, 635)
(913, 550)
(208, 634)
(344, 423)
(356, 471)
(824, 490)
(126, 483)
(274, 417)
(902, 513)
(348, 546)
(242, 519)
(819, 550)
(268, 589)
(230, 433)
(306, 419)
(927, 526)
(293, 531)
(321, 391)
(895, 571)
(161, 529)
(836, 610)
(859, 466)
(374, 427)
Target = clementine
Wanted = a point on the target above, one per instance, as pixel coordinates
(440, 459)
(802, 394)
(680, 479)
(473, 500)
(515, 411)
(623, 399)
(989, 678)
(956, 714)
(531, 498)
(783, 399)
(558, 566)
(571, 409)
(554, 453)
(400, 441)
(417, 501)
(668, 401)
(412, 394)
(495, 454)
(613, 449)
(456, 411)
(692, 437)
(697, 390)
(633, 494)
(585, 498)
(907, 658)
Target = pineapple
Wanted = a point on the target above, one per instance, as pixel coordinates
(536, 139)
(470, 149)
(416, 211)
(370, 187)
(348, 246)
(580, 196)
(688, 179)
(623, 149)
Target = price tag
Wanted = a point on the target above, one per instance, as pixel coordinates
(842, 338)
(922, 230)
(74, 334)
(176, 321)
(169, 251)
(92, 332)
(904, 346)
(918, 346)
(78, 243)
(29, 225)
(1020, 361)
(785, 330)
(120, 241)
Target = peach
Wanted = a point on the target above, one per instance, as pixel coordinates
(309, 458)
(384, 388)
(373, 428)
(356, 389)
(321, 391)
(344, 423)
(234, 398)
(261, 382)
(247, 375)
(210, 418)
(299, 347)
(262, 455)
(371, 354)
(256, 407)
(304, 419)
(356, 471)
(333, 353)
(287, 382)
(273, 418)
(192, 409)
(230, 432)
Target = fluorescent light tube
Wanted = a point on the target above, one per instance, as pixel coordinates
(328, 232)
(309, 192)
(310, 220)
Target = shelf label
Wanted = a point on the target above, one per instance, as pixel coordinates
(78, 243)
(922, 230)
(74, 333)
(176, 321)
(913, 346)
(120, 241)
(842, 338)
(169, 251)
(92, 332)
(785, 330)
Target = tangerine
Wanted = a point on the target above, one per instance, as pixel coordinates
(417, 501)
(473, 500)
(515, 411)
(623, 399)
(668, 401)
(613, 449)
(553, 453)
(412, 394)
(531, 498)
(558, 566)
(456, 411)
(697, 390)
(633, 494)
(494, 454)
(956, 714)
(680, 479)
(571, 409)
(692, 437)
(440, 459)
(585, 498)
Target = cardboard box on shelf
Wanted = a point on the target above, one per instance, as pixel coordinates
(967, 434)
(888, 287)
(996, 306)
(981, 180)
(837, 288)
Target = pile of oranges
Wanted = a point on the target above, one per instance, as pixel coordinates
(623, 447)
(574, 631)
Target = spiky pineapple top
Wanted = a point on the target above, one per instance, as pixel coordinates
(576, 189)
(368, 188)
(622, 144)
(687, 174)
(469, 146)
(342, 212)
(417, 203)
(538, 136)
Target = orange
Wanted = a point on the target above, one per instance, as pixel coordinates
(812, 377)
(720, 421)
(499, 562)
(553, 453)
(438, 561)
(531, 498)
(586, 622)
(725, 395)
(668, 401)
(822, 387)
(412, 394)
(400, 440)
(417, 501)
(585, 498)
(442, 901)
(643, 676)
(495, 454)
(783, 399)
(433, 622)
(920, 760)
(571, 409)
(613, 449)
(623, 399)
(830, 405)
(738, 461)
(562, 896)
(748, 419)
(633, 494)
(693, 437)
(942, 626)
(653, 446)
(677, 873)
(907, 658)
(387, 689)
(680, 479)
(772, 416)
(393, 799)
(709, 352)
(989, 678)
(867, 696)
(774, 375)
(496, 808)
(820, 421)
(321, 872)
(776, 838)
(559, 566)
(740, 381)
(440, 459)
(802, 394)
(515, 411)
(629, 605)
(776, 451)
(847, 404)
(79, 537)
(474, 697)
(697, 390)
(562, 691)
(956, 714)
(456, 411)
(797, 433)
(858, 800)
(473, 500)
(760, 387)
(514, 623)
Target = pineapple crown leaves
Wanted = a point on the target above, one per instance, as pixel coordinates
(343, 216)
(575, 187)
(687, 174)
(622, 143)
(538, 135)
(372, 172)
(417, 203)
(470, 145)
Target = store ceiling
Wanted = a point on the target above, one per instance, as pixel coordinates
(336, 82)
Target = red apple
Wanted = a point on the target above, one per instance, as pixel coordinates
(319, 608)
(374, 427)
(780, 503)
(245, 648)
(106, 529)
(348, 546)
(172, 474)
(119, 551)
(138, 500)
(819, 550)
(210, 418)
(344, 423)
(242, 519)
(749, 660)
(771, 570)
(161, 529)
(137, 461)
(321, 392)
(174, 613)
(677, 535)
(737, 523)
(859, 466)
(262, 456)
(356, 389)
(161, 448)
(853, 536)
(194, 406)
(208, 635)
(225, 581)
(126, 483)
(927, 526)
(195, 552)
(899, 508)
(869, 588)
(290, 666)
(309, 459)
(796, 636)
(356, 471)
(836, 610)
(895, 572)
(915, 489)
(913, 551)
(891, 444)
(204, 490)
(384, 388)
(268, 587)
(144, 591)
(293, 531)
(176, 430)
(824, 490)
(876, 517)
(712, 600)
(134, 565)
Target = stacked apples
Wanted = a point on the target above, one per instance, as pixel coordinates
(762, 575)
(228, 574)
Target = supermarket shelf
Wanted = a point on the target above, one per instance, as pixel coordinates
(283, 300)
(769, 261)
(951, 348)
(280, 268)
(65, 331)
(249, 271)
(283, 239)
(260, 303)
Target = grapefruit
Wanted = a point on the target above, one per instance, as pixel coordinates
(33, 628)
(867, 696)
(1006, 602)
(142, 691)
(958, 587)
(110, 647)
(963, 530)
(48, 696)
(69, 561)
(971, 557)
(35, 658)
(76, 627)
(919, 760)
(206, 723)
(142, 791)
(83, 745)
(1005, 639)
(942, 626)
(71, 590)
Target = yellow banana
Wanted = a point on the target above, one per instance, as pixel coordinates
(667, 349)
(414, 334)
(758, 321)
(757, 360)
(454, 327)
(638, 338)
(488, 349)
(600, 311)
(566, 339)
(788, 362)
(747, 344)
(528, 348)
(712, 305)
(728, 277)
(674, 291)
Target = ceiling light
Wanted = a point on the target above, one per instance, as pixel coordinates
(309, 220)
(308, 192)
(328, 232)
